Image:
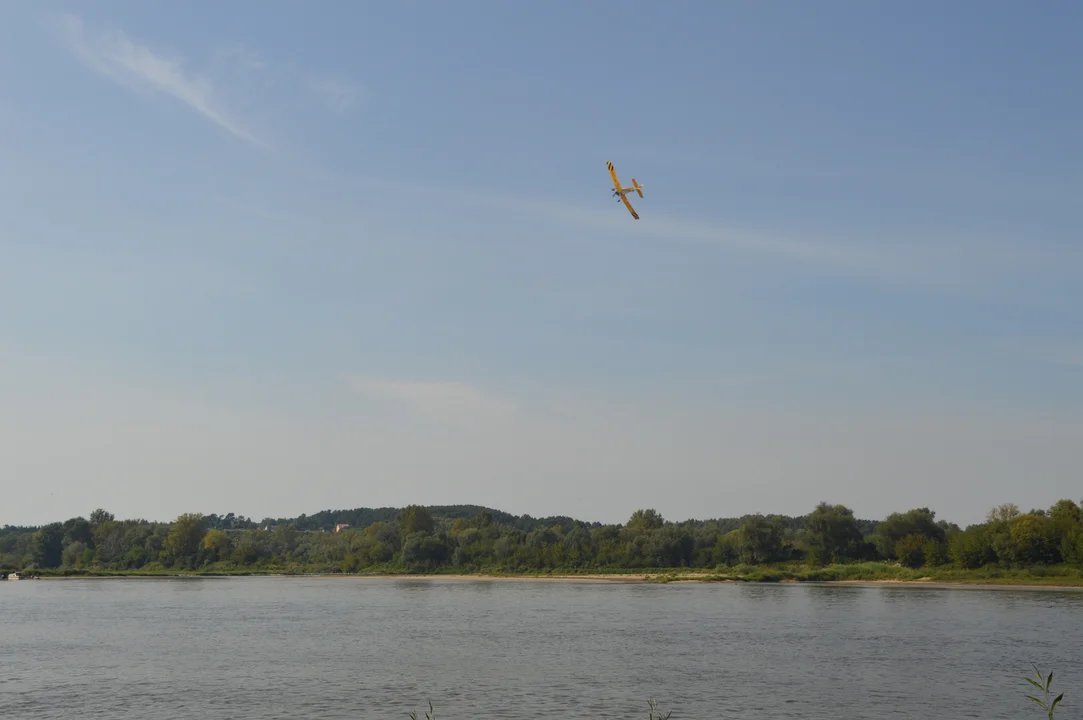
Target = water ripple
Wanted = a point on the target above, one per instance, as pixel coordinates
(266, 648)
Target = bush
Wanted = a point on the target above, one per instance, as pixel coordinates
(910, 549)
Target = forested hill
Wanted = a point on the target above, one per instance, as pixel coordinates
(364, 517)
(361, 518)
(464, 538)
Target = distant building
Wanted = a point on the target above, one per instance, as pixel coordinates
(341, 526)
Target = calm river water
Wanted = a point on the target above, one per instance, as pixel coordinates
(298, 648)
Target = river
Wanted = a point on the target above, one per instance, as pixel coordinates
(329, 648)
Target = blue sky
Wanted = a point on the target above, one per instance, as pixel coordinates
(271, 258)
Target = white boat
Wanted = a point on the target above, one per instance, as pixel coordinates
(13, 576)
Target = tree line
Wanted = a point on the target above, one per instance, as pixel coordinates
(466, 538)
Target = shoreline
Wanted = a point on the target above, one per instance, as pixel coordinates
(634, 579)
(593, 578)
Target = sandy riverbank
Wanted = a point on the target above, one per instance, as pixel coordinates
(704, 577)
(618, 578)
(625, 578)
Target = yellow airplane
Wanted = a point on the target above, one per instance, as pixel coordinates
(619, 191)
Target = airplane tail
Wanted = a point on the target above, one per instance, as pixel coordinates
(638, 187)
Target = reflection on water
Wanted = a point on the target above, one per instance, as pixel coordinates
(327, 648)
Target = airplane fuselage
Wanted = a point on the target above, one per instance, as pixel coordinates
(621, 193)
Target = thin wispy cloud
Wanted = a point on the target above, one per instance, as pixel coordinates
(242, 55)
(295, 88)
(116, 56)
(910, 264)
(338, 94)
(940, 262)
(438, 400)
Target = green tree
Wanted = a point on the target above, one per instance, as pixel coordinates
(727, 550)
(78, 529)
(283, 541)
(247, 550)
(1066, 514)
(972, 548)
(424, 551)
(1001, 515)
(577, 546)
(384, 532)
(670, 546)
(415, 519)
(217, 544)
(910, 550)
(1068, 526)
(108, 540)
(643, 521)
(1033, 539)
(48, 546)
(918, 521)
(759, 540)
(100, 516)
(1071, 547)
(935, 553)
(183, 541)
(75, 554)
(834, 533)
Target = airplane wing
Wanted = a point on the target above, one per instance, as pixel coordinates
(629, 206)
(613, 174)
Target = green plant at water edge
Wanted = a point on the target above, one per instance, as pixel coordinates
(1042, 683)
(655, 714)
(428, 716)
